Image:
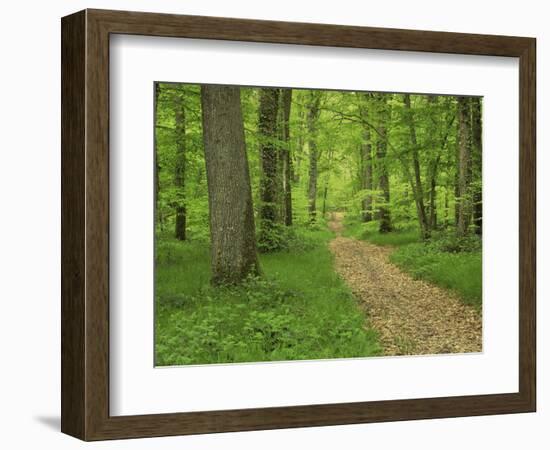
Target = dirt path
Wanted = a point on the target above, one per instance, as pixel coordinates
(411, 316)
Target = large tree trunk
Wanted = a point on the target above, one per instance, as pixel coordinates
(464, 168)
(179, 173)
(232, 232)
(286, 160)
(384, 215)
(312, 116)
(418, 190)
(267, 125)
(477, 161)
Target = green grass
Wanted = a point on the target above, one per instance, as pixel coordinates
(300, 309)
(459, 272)
(395, 239)
(369, 232)
(439, 261)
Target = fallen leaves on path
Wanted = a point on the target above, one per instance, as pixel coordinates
(412, 317)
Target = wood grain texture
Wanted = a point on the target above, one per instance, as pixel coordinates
(73, 108)
(527, 225)
(97, 225)
(152, 24)
(85, 224)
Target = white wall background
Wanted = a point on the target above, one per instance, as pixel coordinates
(30, 225)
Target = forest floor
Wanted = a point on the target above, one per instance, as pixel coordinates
(301, 309)
(412, 317)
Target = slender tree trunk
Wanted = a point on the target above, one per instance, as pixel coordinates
(327, 179)
(477, 161)
(312, 183)
(478, 212)
(406, 196)
(298, 152)
(366, 166)
(312, 117)
(280, 149)
(433, 194)
(384, 215)
(433, 173)
(179, 173)
(367, 202)
(232, 231)
(446, 206)
(267, 125)
(456, 181)
(418, 190)
(433, 164)
(286, 95)
(157, 165)
(464, 168)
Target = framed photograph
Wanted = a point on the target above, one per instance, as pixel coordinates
(273, 225)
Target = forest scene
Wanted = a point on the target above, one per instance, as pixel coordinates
(300, 224)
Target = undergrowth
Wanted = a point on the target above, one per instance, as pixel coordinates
(299, 309)
(446, 260)
(457, 271)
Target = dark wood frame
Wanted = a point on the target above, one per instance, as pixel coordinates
(85, 224)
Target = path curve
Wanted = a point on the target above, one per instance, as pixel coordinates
(412, 317)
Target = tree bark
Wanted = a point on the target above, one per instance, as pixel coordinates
(366, 165)
(312, 117)
(464, 168)
(384, 215)
(267, 125)
(286, 95)
(158, 212)
(179, 172)
(477, 162)
(418, 190)
(456, 189)
(327, 179)
(232, 232)
(284, 161)
(433, 164)
(432, 221)
(440, 146)
(447, 189)
(299, 149)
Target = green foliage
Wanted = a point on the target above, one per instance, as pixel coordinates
(460, 272)
(369, 231)
(289, 239)
(395, 239)
(446, 260)
(299, 310)
(451, 243)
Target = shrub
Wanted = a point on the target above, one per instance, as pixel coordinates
(451, 243)
(282, 238)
